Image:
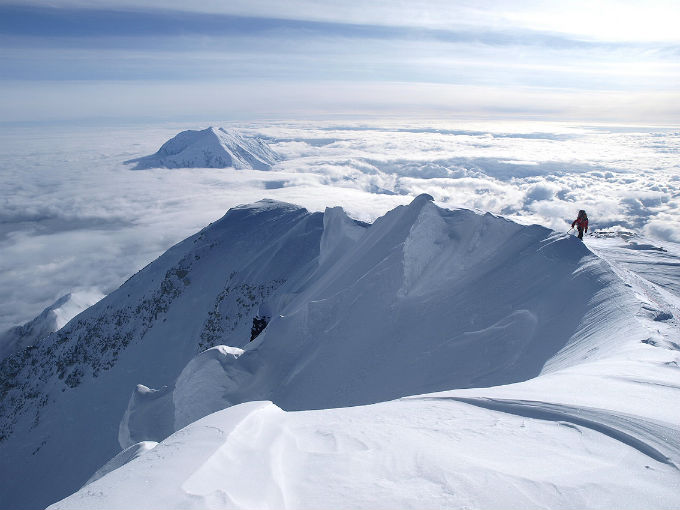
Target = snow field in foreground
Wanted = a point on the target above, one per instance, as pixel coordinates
(416, 452)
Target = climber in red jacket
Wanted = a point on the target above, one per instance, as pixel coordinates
(581, 223)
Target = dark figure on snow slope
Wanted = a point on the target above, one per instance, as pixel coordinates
(581, 223)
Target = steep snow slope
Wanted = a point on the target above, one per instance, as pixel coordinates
(64, 397)
(429, 299)
(210, 148)
(423, 300)
(50, 319)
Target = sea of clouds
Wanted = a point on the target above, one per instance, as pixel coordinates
(74, 218)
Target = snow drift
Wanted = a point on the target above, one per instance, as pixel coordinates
(423, 300)
(210, 148)
(419, 452)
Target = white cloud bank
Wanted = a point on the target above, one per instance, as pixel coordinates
(73, 217)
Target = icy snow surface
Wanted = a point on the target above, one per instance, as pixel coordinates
(435, 358)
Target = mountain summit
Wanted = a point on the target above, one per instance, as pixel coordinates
(210, 148)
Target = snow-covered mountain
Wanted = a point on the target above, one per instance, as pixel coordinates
(210, 148)
(546, 358)
(65, 396)
(49, 320)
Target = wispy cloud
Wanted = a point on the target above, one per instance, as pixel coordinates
(71, 23)
(232, 45)
(595, 20)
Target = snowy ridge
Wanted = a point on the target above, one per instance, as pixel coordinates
(425, 240)
(424, 300)
(210, 148)
(51, 319)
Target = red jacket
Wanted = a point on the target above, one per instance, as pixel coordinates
(581, 222)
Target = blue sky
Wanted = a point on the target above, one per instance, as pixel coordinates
(67, 60)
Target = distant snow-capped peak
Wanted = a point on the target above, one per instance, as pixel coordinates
(210, 148)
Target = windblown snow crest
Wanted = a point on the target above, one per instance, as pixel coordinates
(424, 299)
(210, 148)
